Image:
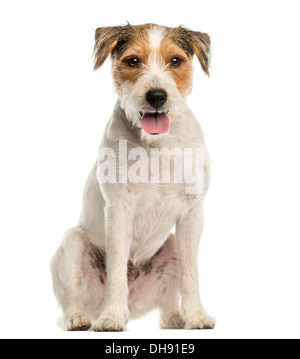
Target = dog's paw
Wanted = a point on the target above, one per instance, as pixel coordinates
(173, 321)
(200, 321)
(77, 323)
(109, 323)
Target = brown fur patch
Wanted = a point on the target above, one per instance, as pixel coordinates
(97, 259)
(201, 43)
(132, 272)
(182, 37)
(139, 48)
(193, 42)
(147, 267)
(124, 42)
(182, 75)
(161, 270)
(112, 40)
(106, 39)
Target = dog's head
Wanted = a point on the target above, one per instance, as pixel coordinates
(152, 70)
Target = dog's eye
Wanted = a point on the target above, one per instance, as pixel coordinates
(175, 62)
(134, 62)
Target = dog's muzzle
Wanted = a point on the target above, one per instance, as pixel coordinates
(156, 122)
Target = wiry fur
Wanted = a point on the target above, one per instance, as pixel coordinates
(121, 260)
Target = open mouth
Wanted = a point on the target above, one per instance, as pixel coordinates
(155, 123)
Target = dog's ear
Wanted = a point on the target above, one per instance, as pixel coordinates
(106, 38)
(202, 48)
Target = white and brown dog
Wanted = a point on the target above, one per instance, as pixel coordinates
(121, 261)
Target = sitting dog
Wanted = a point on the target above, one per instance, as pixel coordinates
(121, 261)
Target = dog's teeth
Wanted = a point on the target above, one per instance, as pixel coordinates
(151, 112)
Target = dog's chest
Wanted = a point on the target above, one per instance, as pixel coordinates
(157, 210)
(158, 204)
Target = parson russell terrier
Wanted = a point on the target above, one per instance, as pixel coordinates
(121, 261)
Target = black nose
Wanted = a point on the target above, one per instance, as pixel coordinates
(157, 98)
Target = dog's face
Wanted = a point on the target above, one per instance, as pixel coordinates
(152, 70)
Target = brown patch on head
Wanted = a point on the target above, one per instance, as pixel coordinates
(136, 46)
(182, 75)
(122, 42)
(110, 40)
(127, 42)
(138, 49)
(192, 42)
(182, 37)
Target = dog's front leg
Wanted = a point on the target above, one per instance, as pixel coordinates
(118, 238)
(188, 233)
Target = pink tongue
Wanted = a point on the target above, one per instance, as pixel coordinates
(156, 123)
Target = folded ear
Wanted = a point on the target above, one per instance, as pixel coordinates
(202, 48)
(106, 38)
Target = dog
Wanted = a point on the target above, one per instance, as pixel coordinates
(122, 261)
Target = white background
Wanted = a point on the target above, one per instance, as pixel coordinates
(53, 112)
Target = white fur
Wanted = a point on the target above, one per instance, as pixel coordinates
(155, 36)
(132, 222)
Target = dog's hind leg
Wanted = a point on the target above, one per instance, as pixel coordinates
(77, 281)
(158, 287)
